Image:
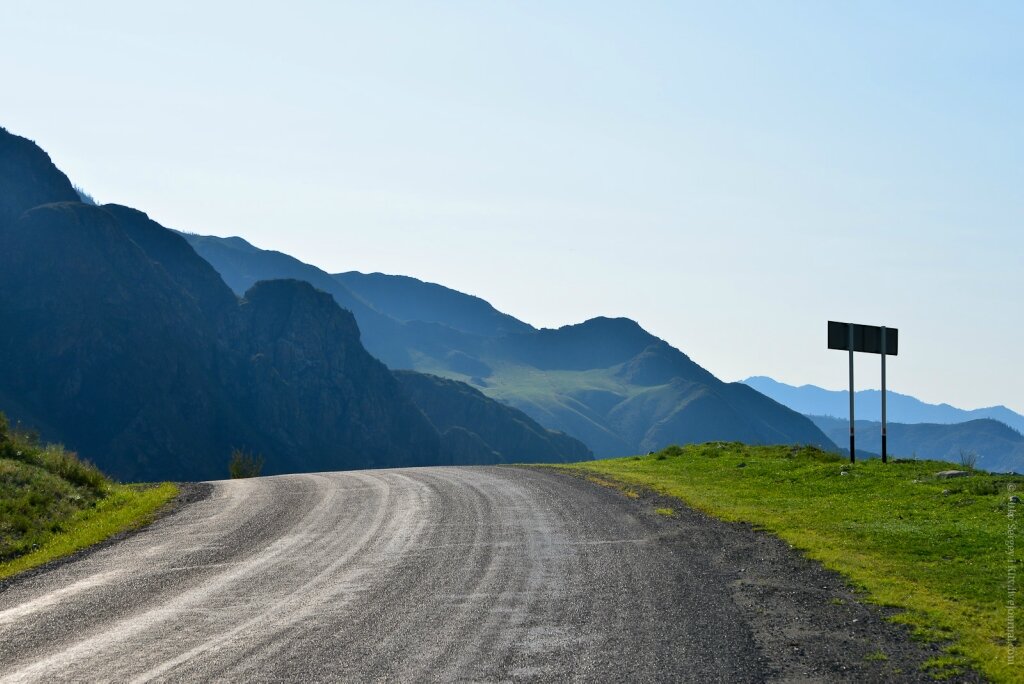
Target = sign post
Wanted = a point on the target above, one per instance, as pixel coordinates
(853, 436)
(851, 337)
(884, 451)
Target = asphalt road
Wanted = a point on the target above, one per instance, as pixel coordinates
(441, 574)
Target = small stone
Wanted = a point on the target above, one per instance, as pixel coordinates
(946, 474)
(946, 492)
(843, 472)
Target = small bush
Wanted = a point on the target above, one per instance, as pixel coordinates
(984, 486)
(968, 458)
(244, 464)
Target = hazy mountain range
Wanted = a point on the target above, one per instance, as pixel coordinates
(156, 353)
(119, 338)
(605, 381)
(900, 408)
(915, 428)
(998, 447)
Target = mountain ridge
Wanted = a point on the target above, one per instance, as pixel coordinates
(902, 408)
(606, 381)
(998, 447)
(119, 340)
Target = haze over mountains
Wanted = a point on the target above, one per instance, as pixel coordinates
(156, 353)
(998, 447)
(901, 408)
(605, 381)
(117, 339)
(915, 428)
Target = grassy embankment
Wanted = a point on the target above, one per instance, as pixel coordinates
(942, 550)
(52, 504)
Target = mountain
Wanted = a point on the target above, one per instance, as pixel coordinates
(28, 178)
(502, 435)
(408, 299)
(241, 265)
(900, 408)
(117, 339)
(605, 381)
(999, 447)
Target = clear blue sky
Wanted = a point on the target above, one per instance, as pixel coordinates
(730, 174)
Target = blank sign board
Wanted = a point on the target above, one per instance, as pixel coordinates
(866, 338)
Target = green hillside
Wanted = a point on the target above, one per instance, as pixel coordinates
(940, 550)
(53, 504)
(475, 429)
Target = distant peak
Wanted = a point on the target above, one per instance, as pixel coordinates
(236, 241)
(138, 213)
(619, 323)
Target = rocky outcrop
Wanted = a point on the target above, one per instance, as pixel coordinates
(28, 178)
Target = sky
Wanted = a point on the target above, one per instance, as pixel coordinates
(731, 175)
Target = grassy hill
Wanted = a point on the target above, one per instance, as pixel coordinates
(943, 551)
(53, 504)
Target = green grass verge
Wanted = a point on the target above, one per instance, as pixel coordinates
(943, 551)
(52, 504)
(126, 507)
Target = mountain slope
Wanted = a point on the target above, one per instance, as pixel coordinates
(500, 433)
(999, 448)
(605, 381)
(81, 306)
(241, 265)
(408, 299)
(900, 408)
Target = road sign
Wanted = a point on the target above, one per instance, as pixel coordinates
(866, 338)
(872, 339)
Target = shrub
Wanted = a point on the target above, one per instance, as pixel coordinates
(244, 464)
(67, 465)
(968, 458)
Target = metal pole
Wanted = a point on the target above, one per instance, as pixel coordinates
(853, 441)
(884, 457)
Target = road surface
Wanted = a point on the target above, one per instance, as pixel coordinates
(440, 574)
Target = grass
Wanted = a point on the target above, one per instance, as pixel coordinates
(936, 549)
(53, 504)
